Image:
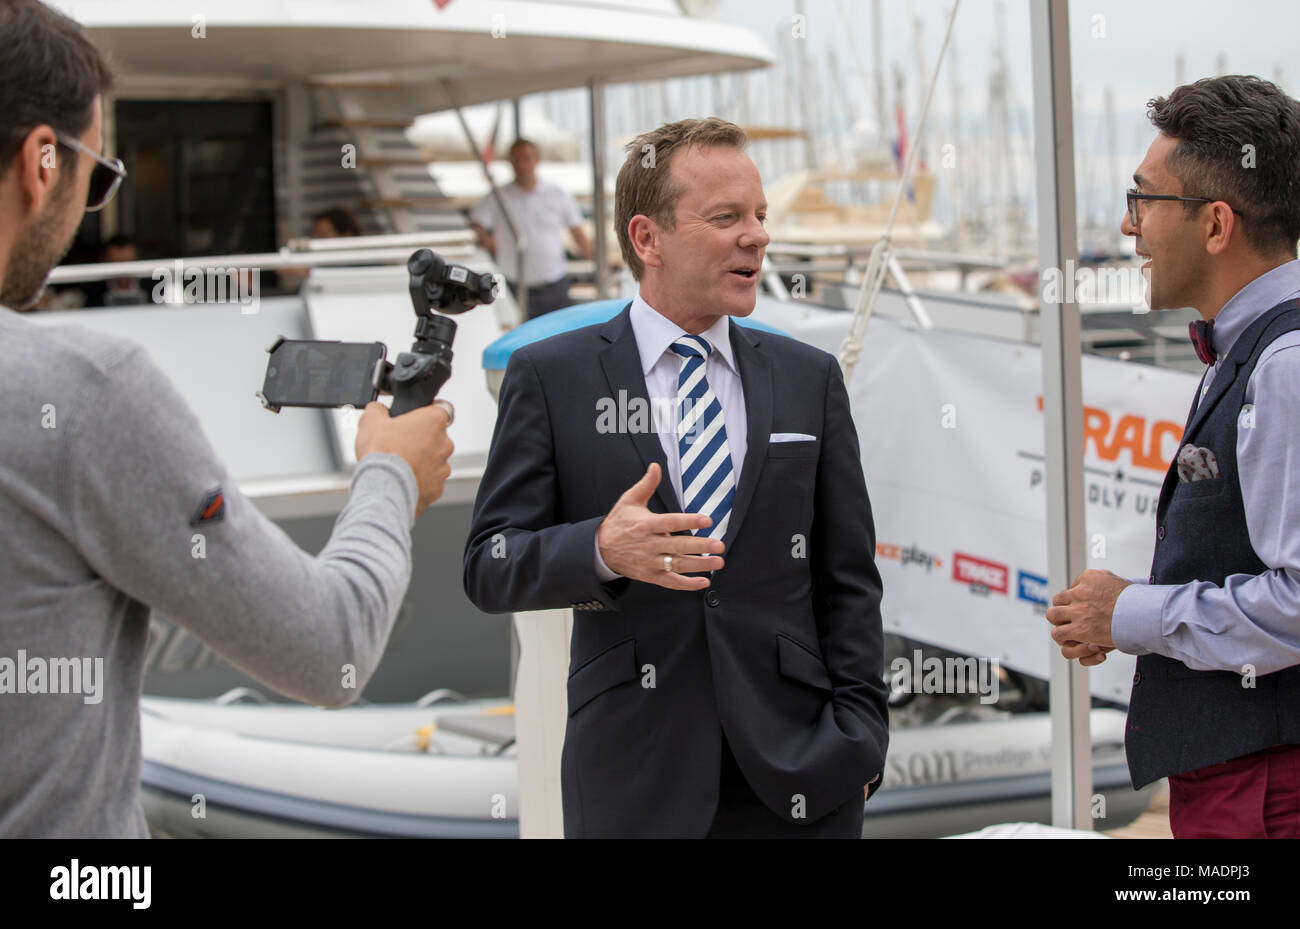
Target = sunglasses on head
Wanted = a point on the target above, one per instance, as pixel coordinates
(105, 178)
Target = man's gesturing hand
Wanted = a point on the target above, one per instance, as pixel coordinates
(1082, 616)
(633, 541)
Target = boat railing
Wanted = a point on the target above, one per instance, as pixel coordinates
(298, 253)
(793, 257)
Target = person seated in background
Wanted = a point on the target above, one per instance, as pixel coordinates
(121, 291)
(336, 223)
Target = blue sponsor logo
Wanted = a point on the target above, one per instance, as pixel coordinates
(1031, 587)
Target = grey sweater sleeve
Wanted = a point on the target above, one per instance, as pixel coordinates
(136, 478)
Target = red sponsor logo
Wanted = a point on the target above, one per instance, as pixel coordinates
(977, 572)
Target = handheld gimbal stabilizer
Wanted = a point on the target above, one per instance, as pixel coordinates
(417, 376)
(333, 374)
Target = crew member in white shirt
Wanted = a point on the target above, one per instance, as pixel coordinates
(541, 210)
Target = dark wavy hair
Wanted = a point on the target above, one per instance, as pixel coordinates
(1214, 120)
(50, 74)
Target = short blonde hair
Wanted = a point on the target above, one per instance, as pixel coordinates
(644, 186)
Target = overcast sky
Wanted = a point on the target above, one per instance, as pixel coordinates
(1130, 48)
(1135, 56)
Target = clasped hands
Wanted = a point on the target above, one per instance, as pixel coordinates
(1081, 616)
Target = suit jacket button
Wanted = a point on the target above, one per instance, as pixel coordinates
(1153, 579)
(1137, 677)
(712, 598)
(1160, 533)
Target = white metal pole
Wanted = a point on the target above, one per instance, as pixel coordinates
(599, 206)
(1062, 400)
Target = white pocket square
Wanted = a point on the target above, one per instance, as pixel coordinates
(790, 437)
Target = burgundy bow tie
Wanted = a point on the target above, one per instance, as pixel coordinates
(1201, 332)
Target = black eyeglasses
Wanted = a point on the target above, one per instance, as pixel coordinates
(105, 178)
(1134, 197)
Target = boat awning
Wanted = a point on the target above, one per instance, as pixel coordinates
(497, 354)
(491, 50)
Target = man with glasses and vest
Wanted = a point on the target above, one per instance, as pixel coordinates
(693, 490)
(106, 480)
(1215, 705)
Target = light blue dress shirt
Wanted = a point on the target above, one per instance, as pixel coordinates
(654, 333)
(1251, 619)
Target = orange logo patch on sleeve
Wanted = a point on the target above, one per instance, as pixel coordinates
(212, 510)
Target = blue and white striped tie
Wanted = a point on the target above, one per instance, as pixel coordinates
(708, 483)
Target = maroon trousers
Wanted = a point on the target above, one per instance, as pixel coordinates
(1252, 797)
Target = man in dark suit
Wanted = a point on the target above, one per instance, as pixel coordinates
(709, 694)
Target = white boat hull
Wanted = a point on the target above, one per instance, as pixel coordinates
(292, 771)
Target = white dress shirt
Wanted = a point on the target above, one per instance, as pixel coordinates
(543, 213)
(654, 334)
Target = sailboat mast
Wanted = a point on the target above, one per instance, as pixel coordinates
(878, 54)
(918, 49)
(1113, 175)
(958, 210)
(805, 100)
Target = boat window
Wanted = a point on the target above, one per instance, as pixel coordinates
(201, 176)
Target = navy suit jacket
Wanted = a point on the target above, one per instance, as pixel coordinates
(783, 652)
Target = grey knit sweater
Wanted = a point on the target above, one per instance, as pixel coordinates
(105, 482)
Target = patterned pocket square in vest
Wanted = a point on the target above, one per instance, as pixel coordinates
(1196, 464)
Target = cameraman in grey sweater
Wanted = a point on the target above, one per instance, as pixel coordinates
(106, 478)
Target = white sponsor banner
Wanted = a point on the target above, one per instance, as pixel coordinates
(951, 431)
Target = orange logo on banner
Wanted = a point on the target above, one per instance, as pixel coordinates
(1130, 432)
(909, 555)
